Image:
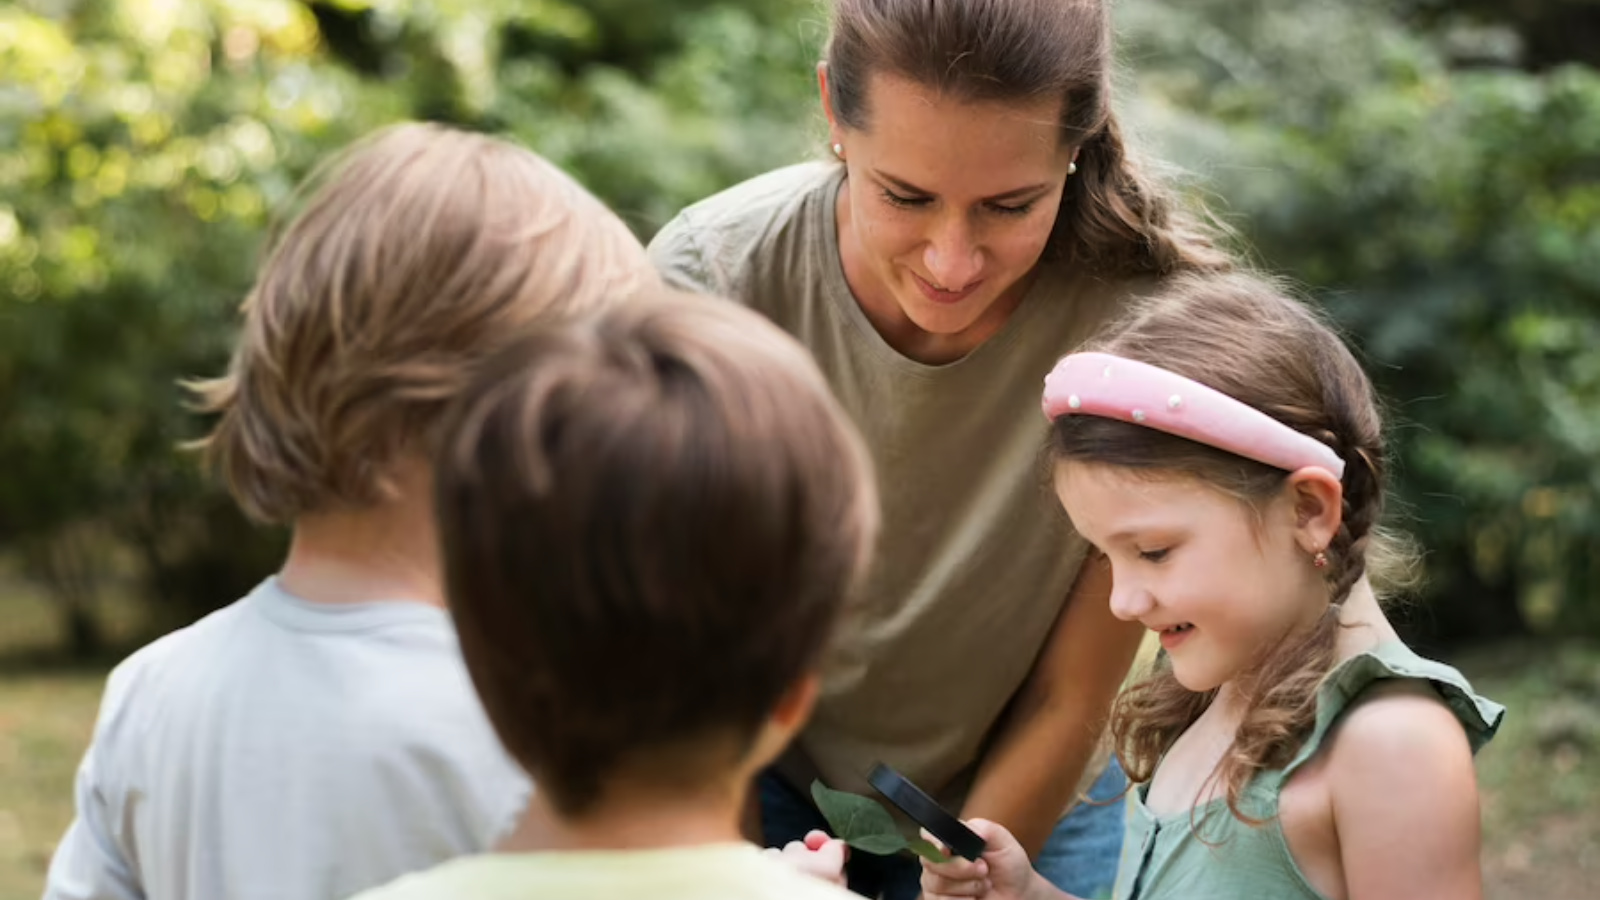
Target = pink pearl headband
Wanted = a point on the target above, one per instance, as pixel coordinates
(1100, 384)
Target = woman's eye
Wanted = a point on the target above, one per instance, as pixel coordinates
(904, 202)
(1020, 210)
(1154, 556)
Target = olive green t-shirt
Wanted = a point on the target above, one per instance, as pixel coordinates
(975, 557)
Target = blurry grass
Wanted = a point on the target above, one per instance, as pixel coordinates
(1540, 778)
(47, 710)
(45, 723)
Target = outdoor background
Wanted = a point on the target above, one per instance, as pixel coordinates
(1428, 169)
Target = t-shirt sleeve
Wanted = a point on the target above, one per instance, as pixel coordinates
(678, 253)
(93, 861)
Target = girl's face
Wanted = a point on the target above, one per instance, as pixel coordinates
(1218, 581)
(947, 208)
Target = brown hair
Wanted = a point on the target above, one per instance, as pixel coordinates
(1114, 218)
(419, 250)
(1243, 334)
(650, 520)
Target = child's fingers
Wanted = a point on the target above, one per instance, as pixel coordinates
(827, 846)
(957, 867)
(830, 858)
(824, 861)
(935, 885)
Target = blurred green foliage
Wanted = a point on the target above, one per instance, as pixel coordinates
(1447, 213)
(1450, 219)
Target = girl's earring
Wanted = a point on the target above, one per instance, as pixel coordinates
(1072, 167)
(1320, 560)
(838, 151)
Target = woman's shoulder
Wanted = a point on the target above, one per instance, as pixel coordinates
(751, 207)
(773, 215)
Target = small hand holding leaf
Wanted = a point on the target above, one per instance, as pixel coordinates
(865, 825)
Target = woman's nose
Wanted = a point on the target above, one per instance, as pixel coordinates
(952, 256)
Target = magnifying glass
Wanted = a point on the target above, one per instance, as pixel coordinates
(921, 809)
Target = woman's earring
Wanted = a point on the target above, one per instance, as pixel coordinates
(1072, 167)
(838, 150)
(1320, 560)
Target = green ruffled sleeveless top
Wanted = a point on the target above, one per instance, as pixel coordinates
(1164, 859)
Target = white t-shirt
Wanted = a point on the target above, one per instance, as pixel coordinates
(285, 749)
(707, 872)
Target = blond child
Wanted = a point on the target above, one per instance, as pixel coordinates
(321, 735)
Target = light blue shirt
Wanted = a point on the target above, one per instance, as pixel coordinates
(284, 749)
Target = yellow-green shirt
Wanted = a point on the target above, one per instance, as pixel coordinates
(706, 872)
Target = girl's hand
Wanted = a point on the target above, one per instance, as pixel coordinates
(817, 855)
(1002, 873)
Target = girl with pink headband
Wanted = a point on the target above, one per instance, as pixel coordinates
(1222, 449)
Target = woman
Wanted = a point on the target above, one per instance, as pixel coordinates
(982, 220)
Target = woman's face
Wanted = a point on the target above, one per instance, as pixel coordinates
(946, 210)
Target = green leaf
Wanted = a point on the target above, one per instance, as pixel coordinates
(926, 850)
(878, 844)
(858, 821)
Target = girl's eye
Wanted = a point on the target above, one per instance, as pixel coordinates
(1020, 210)
(1154, 556)
(904, 202)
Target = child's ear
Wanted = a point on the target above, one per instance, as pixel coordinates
(786, 719)
(1318, 507)
(795, 706)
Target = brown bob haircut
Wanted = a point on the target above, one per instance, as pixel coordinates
(418, 251)
(650, 520)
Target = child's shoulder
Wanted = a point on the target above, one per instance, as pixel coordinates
(1401, 785)
(1399, 724)
(1391, 702)
(171, 649)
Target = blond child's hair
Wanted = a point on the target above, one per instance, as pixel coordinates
(420, 250)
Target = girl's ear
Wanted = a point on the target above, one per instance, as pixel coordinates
(1318, 507)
